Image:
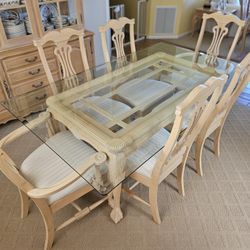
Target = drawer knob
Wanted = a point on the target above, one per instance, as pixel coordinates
(31, 60)
(38, 85)
(35, 72)
(40, 98)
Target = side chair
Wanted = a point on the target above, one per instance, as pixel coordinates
(63, 51)
(217, 119)
(196, 108)
(117, 27)
(220, 30)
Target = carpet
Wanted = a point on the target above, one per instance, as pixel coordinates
(190, 41)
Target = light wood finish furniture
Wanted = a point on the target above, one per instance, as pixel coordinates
(219, 32)
(216, 121)
(33, 10)
(244, 15)
(46, 179)
(21, 70)
(63, 52)
(173, 156)
(119, 134)
(117, 27)
(197, 17)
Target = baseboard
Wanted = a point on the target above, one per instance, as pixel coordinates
(164, 36)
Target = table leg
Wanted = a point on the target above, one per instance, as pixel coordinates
(114, 201)
(116, 175)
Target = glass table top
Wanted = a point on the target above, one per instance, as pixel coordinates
(115, 108)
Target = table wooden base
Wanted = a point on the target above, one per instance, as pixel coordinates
(114, 201)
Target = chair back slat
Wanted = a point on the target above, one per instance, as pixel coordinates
(117, 26)
(220, 30)
(62, 52)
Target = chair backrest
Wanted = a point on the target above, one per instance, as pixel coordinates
(220, 30)
(62, 51)
(117, 26)
(239, 81)
(192, 114)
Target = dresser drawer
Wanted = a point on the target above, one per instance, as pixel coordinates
(33, 99)
(29, 73)
(26, 59)
(31, 85)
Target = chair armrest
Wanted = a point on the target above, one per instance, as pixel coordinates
(96, 159)
(24, 129)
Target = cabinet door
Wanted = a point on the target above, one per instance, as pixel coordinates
(15, 24)
(58, 14)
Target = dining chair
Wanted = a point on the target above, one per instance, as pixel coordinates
(193, 111)
(220, 30)
(217, 119)
(117, 26)
(63, 52)
(244, 15)
(44, 178)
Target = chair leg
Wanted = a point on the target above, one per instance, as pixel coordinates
(180, 178)
(199, 144)
(154, 204)
(217, 139)
(25, 203)
(48, 222)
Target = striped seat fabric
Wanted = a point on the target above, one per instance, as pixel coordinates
(113, 107)
(144, 91)
(143, 155)
(43, 168)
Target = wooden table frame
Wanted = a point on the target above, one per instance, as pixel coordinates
(119, 145)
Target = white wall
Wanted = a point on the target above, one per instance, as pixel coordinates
(96, 13)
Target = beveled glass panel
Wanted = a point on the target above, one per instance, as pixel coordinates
(126, 103)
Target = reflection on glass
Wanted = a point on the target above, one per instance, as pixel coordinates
(118, 105)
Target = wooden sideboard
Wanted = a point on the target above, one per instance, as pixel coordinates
(21, 71)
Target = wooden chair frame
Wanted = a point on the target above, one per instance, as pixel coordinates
(176, 150)
(63, 53)
(219, 32)
(216, 121)
(118, 37)
(39, 195)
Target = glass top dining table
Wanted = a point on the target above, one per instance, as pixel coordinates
(116, 107)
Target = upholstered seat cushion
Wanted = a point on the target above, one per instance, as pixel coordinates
(145, 90)
(43, 168)
(113, 107)
(145, 152)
